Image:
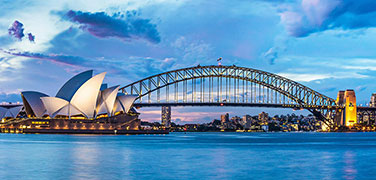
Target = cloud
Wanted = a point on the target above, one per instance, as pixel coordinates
(16, 30)
(271, 55)
(31, 37)
(192, 52)
(14, 97)
(127, 27)
(75, 63)
(279, 47)
(312, 77)
(312, 16)
(134, 68)
(360, 88)
(10, 95)
(64, 59)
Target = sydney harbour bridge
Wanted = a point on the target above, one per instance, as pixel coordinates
(218, 85)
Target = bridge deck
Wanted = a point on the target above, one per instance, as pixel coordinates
(233, 104)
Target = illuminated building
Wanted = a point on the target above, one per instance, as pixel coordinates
(166, 116)
(82, 105)
(372, 103)
(81, 96)
(263, 117)
(247, 121)
(225, 118)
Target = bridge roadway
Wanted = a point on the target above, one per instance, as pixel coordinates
(296, 106)
(365, 108)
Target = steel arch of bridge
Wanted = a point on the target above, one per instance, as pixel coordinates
(274, 90)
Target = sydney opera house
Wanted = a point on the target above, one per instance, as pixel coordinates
(82, 105)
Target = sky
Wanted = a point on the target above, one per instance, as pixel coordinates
(327, 45)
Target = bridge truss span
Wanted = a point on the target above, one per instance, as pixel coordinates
(228, 85)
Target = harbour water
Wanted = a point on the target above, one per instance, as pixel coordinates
(189, 156)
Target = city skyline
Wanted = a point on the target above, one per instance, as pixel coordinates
(325, 45)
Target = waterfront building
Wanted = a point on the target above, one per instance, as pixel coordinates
(263, 117)
(265, 128)
(246, 121)
(82, 104)
(372, 103)
(166, 116)
(236, 120)
(225, 118)
(81, 96)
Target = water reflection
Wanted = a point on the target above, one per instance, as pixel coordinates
(190, 156)
(349, 168)
(85, 161)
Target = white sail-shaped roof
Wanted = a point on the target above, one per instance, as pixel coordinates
(9, 111)
(85, 98)
(101, 109)
(117, 106)
(8, 114)
(68, 90)
(33, 103)
(107, 99)
(68, 110)
(127, 101)
(3, 111)
(53, 104)
(14, 111)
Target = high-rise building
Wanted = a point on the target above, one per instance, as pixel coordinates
(263, 117)
(373, 100)
(247, 121)
(225, 118)
(166, 116)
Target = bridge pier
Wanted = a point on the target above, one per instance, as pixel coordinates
(347, 116)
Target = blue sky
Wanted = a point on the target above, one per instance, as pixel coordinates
(326, 45)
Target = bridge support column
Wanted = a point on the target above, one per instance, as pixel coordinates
(348, 116)
(166, 116)
(340, 115)
(350, 108)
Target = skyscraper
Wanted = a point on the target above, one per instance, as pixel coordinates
(263, 117)
(225, 118)
(373, 100)
(247, 120)
(166, 116)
